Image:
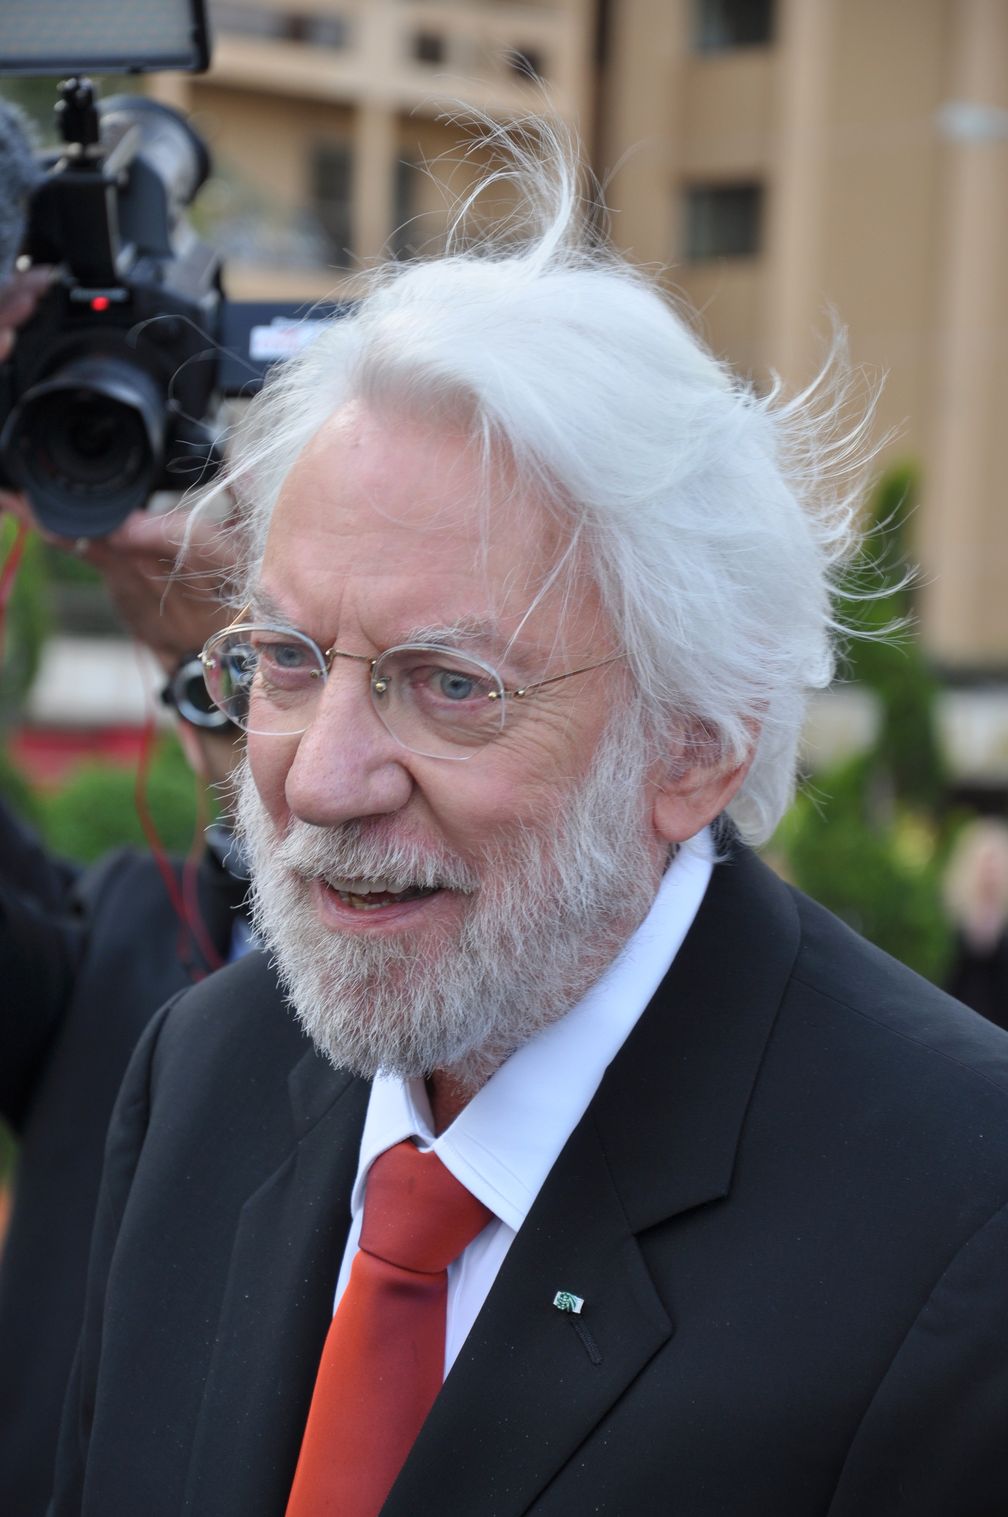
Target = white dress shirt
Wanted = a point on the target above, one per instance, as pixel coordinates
(504, 1143)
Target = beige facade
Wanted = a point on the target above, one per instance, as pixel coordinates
(336, 111)
(876, 133)
(854, 158)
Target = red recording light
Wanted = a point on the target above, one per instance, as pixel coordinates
(100, 303)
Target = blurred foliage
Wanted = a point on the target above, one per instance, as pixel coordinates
(8, 1156)
(17, 791)
(37, 97)
(27, 623)
(63, 568)
(886, 655)
(96, 809)
(870, 837)
(876, 862)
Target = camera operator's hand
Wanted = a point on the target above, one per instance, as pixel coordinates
(168, 602)
(171, 603)
(19, 295)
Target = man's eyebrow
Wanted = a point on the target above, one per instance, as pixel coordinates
(473, 633)
(261, 603)
(466, 629)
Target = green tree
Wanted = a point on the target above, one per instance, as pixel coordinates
(26, 624)
(870, 838)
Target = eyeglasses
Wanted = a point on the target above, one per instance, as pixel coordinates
(435, 701)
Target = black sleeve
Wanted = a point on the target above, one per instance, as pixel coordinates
(40, 946)
(28, 867)
(126, 1134)
(934, 1440)
(40, 949)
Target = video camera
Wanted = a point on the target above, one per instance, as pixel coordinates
(112, 388)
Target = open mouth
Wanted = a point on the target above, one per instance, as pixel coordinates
(371, 895)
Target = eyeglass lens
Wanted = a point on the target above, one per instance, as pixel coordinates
(431, 699)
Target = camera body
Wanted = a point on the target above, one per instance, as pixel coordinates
(108, 391)
(113, 386)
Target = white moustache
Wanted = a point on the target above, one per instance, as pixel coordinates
(349, 859)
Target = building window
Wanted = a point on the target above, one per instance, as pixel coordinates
(332, 192)
(327, 31)
(404, 209)
(722, 24)
(248, 20)
(723, 220)
(527, 62)
(428, 47)
(288, 26)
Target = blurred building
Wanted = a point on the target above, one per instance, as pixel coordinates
(792, 155)
(327, 120)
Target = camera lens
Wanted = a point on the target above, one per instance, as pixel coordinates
(86, 445)
(91, 431)
(91, 443)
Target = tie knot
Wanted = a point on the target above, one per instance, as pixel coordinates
(416, 1214)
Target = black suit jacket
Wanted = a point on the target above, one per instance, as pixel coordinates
(784, 1208)
(87, 956)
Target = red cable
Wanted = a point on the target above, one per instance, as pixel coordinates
(184, 901)
(150, 831)
(8, 577)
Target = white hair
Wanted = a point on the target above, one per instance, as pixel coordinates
(713, 519)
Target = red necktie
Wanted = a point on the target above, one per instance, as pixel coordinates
(383, 1360)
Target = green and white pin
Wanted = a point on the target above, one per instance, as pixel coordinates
(566, 1301)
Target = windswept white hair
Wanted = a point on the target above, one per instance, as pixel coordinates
(714, 520)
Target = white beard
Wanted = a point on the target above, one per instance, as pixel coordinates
(549, 908)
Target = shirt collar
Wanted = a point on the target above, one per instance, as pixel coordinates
(505, 1141)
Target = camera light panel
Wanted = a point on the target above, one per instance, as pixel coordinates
(106, 36)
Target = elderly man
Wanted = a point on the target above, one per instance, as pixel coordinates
(599, 1171)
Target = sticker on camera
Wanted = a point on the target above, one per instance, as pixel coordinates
(281, 339)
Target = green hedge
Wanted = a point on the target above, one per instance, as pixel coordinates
(95, 809)
(869, 839)
(876, 862)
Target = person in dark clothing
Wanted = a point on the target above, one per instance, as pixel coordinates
(87, 956)
(976, 899)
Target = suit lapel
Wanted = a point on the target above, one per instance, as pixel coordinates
(658, 1140)
(278, 1303)
(526, 1387)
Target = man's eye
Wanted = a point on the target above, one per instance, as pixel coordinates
(454, 685)
(289, 657)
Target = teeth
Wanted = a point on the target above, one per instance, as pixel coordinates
(355, 893)
(358, 902)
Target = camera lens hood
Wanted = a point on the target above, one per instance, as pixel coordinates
(86, 444)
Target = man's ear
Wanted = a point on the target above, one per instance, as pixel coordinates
(685, 802)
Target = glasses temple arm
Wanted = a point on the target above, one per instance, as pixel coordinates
(554, 678)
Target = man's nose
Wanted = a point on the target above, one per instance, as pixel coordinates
(347, 765)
